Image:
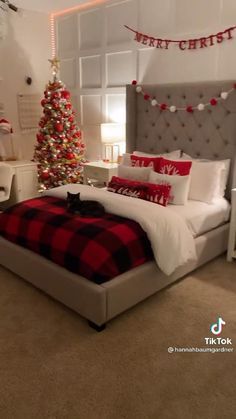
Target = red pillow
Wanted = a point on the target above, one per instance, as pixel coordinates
(158, 194)
(140, 161)
(152, 192)
(172, 167)
(127, 187)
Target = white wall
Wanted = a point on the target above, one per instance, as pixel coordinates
(24, 52)
(99, 56)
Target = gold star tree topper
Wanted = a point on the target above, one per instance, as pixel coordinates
(55, 65)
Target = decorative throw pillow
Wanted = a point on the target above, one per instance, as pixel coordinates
(158, 194)
(174, 167)
(172, 154)
(134, 173)
(179, 186)
(140, 161)
(206, 180)
(126, 160)
(224, 173)
(127, 187)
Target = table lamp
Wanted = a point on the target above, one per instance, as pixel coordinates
(113, 137)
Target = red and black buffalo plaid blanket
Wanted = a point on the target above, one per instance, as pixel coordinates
(96, 248)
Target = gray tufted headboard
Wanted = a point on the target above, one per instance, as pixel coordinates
(209, 134)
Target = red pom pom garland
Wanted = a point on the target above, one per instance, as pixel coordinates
(189, 108)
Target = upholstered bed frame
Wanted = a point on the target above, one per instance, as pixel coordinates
(207, 134)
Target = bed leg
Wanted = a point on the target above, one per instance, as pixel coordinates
(96, 327)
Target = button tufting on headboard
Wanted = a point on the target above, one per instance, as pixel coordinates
(207, 134)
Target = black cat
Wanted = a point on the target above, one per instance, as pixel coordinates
(86, 208)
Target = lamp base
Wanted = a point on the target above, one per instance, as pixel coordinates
(111, 152)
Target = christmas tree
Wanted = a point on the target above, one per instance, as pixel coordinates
(60, 149)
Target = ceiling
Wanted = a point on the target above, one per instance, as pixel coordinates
(47, 6)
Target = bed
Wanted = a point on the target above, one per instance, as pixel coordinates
(210, 134)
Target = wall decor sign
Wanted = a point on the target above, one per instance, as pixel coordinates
(190, 108)
(183, 44)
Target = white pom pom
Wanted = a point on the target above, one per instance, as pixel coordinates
(138, 89)
(154, 102)
(224, 95)
(201, 107)
(172, 108)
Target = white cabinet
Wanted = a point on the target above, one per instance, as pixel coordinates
(98, 170)
(24, 183)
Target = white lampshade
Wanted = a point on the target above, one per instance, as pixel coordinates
(113, 137)
(112, 133)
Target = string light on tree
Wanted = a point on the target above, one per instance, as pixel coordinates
(59, 150)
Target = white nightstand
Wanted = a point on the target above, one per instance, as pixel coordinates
(100, 171)
(24, 183)
(232, 231)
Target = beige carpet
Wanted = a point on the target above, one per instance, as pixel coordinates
(52, 365)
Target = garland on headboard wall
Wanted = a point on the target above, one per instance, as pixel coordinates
(189, 108)
(184, 44)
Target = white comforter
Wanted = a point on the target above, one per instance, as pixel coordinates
(171, 241)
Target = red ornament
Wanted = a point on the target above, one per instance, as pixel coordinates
(56, 95)
(43, 102)
(213, 102)
(59, 127)
(70, 156)
(68, 106)
(134, 82)
(65, 94)
(45, 175)
(189, 109)
(163, 106)
(71, 118)
(146, 96)
(40, 138)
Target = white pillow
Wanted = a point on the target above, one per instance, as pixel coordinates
(134, 173)
(174, 154)
(126, 160)
(224, 173)
(179, 186)
(206, 180)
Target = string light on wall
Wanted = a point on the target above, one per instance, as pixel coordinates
(64, 12)
(189, 108)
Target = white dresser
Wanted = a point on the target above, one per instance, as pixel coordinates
(24, 183)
